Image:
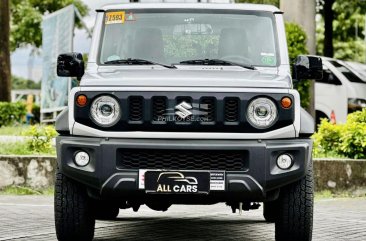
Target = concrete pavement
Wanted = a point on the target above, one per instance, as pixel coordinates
(31, 218)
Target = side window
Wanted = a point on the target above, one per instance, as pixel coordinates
(348, 73)
(329, 78)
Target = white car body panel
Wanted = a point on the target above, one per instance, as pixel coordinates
(330, 97)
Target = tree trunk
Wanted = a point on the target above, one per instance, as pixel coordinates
(328, 50)
(5, 74)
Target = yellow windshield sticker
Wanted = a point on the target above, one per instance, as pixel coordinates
(114, 17)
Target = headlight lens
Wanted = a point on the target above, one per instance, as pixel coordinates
(105, 111)
(262, 113)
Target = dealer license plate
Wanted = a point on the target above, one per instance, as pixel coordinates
(177, 182)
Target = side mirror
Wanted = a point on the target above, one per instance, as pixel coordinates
(308, 67)
(70, 65)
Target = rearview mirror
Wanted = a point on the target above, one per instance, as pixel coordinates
(70, 65)
(308, 67)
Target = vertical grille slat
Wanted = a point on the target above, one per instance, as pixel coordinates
(136, 108)
(232, 109)
(159, 107)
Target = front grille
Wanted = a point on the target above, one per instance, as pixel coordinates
(136, 108)
(204, 112)
(229, 160)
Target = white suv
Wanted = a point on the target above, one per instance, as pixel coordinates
(185, 104)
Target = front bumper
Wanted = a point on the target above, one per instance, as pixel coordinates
(259, 180)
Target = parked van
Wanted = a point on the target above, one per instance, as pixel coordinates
(359, 68)
(341, 91)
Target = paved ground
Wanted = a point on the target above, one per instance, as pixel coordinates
(31, 218)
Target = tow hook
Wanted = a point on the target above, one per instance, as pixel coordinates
(246, 206)
(136, 207)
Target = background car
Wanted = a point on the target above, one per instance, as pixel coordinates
(341, 91)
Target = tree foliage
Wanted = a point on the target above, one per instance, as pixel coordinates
(26, 19)
(271, 2)
(19, 83)
(296, 42)
(348, 29)
(11, 113)
(348, 140)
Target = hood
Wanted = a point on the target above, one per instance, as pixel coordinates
(210, 77)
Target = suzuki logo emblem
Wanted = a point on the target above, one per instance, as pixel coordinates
(183, 110)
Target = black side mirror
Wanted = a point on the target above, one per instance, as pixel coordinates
(70, 65)
(308, 67)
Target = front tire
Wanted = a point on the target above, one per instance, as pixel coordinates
(270, 211)
(74, 219)
(295, 218)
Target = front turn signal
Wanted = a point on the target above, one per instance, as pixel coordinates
(81, 100)
(286, 102)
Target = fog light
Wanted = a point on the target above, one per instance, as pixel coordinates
(81, 158)
(284, 161)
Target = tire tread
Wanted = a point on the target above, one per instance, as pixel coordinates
(295, 220)
(73, 217)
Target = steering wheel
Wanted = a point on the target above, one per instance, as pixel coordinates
(237, 59)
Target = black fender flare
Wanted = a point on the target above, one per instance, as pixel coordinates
(62, 122)
(307, 124)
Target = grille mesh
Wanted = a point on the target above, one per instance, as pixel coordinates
(232, 109)
(229, 160)
(136, 108)
(159, 107)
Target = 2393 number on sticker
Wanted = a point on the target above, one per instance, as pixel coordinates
(115, 17)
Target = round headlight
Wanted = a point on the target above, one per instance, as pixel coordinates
(105, 111)
(262, 113)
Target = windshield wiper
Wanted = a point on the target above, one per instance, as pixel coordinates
(130, 61)
(216, 62)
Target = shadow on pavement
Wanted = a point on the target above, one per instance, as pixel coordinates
(185, 229)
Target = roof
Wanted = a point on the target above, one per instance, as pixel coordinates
(226, 6)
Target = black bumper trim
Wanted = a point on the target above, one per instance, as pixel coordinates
(261, 176)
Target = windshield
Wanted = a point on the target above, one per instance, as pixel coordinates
(171, 36)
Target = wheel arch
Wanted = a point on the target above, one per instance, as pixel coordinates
(62, 122)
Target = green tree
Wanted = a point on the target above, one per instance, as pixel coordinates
(26, 19)
(19, 83)
(341, 30)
